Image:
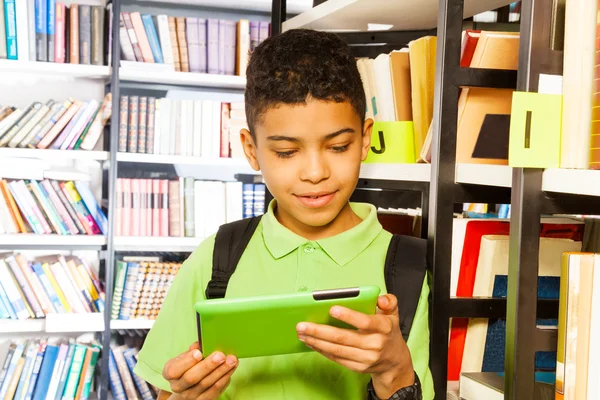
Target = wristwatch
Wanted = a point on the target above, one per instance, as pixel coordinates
(412, 392)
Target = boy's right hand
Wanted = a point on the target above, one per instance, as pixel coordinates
(193, 377)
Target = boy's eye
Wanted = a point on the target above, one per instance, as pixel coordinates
(285, 154)
(340, 149)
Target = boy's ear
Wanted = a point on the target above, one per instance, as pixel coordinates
(249, 148)
(366, 138)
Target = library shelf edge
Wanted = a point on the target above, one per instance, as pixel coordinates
(357, 15)
(50, 154)
(294, 6)
(56, 323)
(189, 79)
(241, 163)
(156, 244)
(119, 324)
(55, 70)
(24, 241)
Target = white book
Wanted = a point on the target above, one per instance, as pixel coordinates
(375, 100)
(126, 47)
(157, 126)
(215, 144)
(2, 230)
(207, 126)
(214, 201)
(233, 196)
(362, 70)
(197, 129)
(174, 129)
(23, 41)
(9, 224)
(165, 126)
(165, 38)
(9, 121)
(31, 28)
(182, 206)
(188, 122)
(199, 208)
(183, 127)
(383, 82)
(593, 386)
(67, 288)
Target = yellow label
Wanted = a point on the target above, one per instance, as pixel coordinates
(392, 142)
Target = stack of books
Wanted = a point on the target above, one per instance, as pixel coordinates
(46, 285)
(141, 284)
(49, 368)
(189, 44)
(195, 128)
(183, 208)
(68, 125)
(54, 32)
(49, 206)
(124, 384)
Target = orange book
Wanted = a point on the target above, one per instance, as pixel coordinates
(182, 42)
(140, 32)
(174, 44)
(74, 34)
(86, 365)
(595, 125)
(400, 71)
(14, 210)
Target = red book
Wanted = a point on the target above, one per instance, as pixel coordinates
(149, 205)
(135, 208)
(163, 205)
(468, 47)
(126, 214)
(468, 270)
(119, 207)
(225, 109)
(59, 40)
(156, 226)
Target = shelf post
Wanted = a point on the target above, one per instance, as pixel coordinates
(442, 187)
(111, 197)
(278, 16)
(521, 305)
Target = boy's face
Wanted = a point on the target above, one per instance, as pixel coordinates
(310, 157)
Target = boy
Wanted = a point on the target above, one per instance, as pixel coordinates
(305, 106)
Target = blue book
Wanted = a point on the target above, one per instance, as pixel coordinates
(50, 29)
(10, 18)
(65, 372)
(45, 375)
(247, 200)
(37, 365)
(6, 303)
(11, 369)
(153, 38)
(92, 206)
(32, 351)
(116, 386)
(52, 295)
(141, 384)
(3, 311)
(259, 199)
(41, 30)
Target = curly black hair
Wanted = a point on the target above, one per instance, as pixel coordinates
(290, 67)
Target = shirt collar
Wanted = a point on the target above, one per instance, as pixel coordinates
(341, 248)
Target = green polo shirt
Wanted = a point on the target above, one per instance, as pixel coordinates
(278, 261)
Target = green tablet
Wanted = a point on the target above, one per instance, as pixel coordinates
(266, 325)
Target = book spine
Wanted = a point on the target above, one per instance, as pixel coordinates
(24, 209)
(22, 31)
(125, 42)
(27, 290)
(150, 125)
(193, 42)
(3, 50)
(74, 55)
(28, 198)
(37, 365)
(91, 288)
(38, 127)
(51, 29)
(221, 44)
(26, 129)
(119, 287)
(10, 16)
(59, 43)
(174, 43)
(41, 30)
(98, 124)
(118, 207)
(140, 32)
(116, 386)
(163, 207)
(126, 213)
(68, 291)
(141, 384)
(89, 376)
(70, 128)
(182, 43)
(62, 126)
(80, 127)
(97, 50)
(230, 47)
(64, 217)
(189, 207)
(12, 292)
(135, 207)
(54, 120)
(133, 124)
(254, 35)
(137, 51)
(65, 372)
(8, 309)
(67, 205)
(92, 206)
(45, 206)
(162, 22)
(51, 290)
(148, 216)
(73, 285)
(36, 285)
(212, 43)
(85, 35)
(125, 376)
(69, 188)
(74, 372)
(123, 123)
(225, 110)
(9, 356)
(20, 123)
(142, 114)
(202, 45)
(152, 38)
(32, 349)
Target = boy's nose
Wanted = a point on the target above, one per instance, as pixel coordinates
(314, 169)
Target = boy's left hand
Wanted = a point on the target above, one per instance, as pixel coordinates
(377, 347)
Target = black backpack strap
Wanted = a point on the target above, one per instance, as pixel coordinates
(230, 243)
(405, 268)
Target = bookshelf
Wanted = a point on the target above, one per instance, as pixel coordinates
(55, 323)
(131, 324)
(239, 163)
(188, 79)
(56, 70)
(49, 154)
(156, 244)
(52, 241)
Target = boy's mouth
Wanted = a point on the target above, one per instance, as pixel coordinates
(315, 200)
